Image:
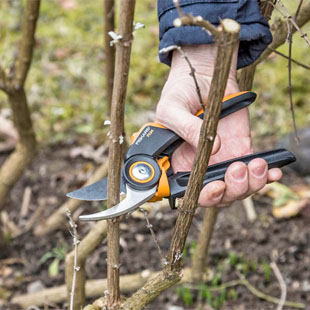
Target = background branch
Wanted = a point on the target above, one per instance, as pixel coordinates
(26, 45)
(292, 20)
(292, 59)
(279, 30)
(16, 163)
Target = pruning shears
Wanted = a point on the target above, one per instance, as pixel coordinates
(147, 174)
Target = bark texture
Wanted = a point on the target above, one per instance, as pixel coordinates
(226, 38)
(199, 262)
(13, 85)
(123, 50)
(109, 25)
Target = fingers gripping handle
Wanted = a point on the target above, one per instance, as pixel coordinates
(154, 139)
(275, 159)
(231, 104)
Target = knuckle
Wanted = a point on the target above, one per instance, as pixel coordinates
(189, 132)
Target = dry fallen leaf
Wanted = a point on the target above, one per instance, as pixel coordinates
(287, 201)
(292, 208)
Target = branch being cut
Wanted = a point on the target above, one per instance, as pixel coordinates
(123, 50)
(210, 214)
(109, 24)
(226, 42)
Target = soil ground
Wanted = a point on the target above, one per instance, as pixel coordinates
(237, 244)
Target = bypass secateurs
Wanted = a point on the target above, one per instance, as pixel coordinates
(147, 175)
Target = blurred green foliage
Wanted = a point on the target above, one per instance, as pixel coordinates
(66, 83)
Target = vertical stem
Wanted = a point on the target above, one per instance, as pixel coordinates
(201, 251)
(27, 42)
(226, 40)
(226, 43)
(109, 25)
(16, 163)
(123, 49)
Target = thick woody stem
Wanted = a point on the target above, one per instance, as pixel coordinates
(226, 41)
(201, 252)
(123, 49)
(16, 163)
(109, 25)
(26, 45)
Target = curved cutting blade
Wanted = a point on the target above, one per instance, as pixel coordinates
(96, 191)
(134, 199)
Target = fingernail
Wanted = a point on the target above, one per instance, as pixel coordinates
(239, 174)
(259, 171)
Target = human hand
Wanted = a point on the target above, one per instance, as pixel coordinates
(176, 110)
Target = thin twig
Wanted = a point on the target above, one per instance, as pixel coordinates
(264, 296)
(292, 59)
(76, 268)
(282, 283)
(251, 288)
(290, 88)
(298, 9)
(192, 73)
(190, 20)
(293, 22)
(150, 227)
(178, 7)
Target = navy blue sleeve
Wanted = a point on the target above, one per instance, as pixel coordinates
(254, 32)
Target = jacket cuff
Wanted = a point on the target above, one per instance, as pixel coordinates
(254, 30)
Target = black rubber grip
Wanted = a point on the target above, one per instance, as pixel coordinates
(275, 159)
